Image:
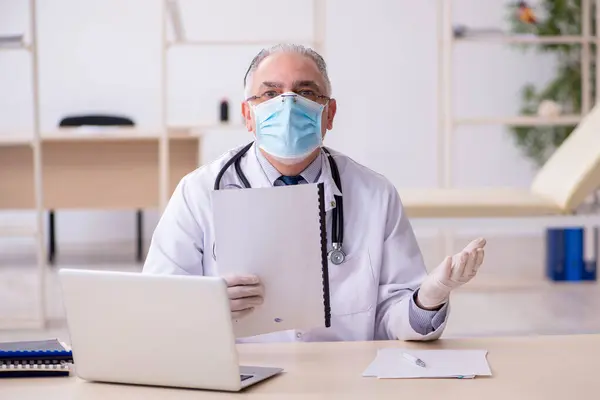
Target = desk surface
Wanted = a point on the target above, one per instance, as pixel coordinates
(532, 368)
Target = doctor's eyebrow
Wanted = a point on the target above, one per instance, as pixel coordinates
(295, 85)
(277, 85)
(309, 84)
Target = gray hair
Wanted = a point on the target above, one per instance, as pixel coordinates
(287, 48)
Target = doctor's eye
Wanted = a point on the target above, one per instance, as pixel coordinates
(309, 94)
(269, 94)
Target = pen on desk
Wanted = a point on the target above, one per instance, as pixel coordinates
(414, 360)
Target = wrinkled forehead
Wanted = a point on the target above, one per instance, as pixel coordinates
(287, 69)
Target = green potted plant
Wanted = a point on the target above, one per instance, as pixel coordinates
(562, 95)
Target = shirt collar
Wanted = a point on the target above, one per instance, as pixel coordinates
(310, 174)
(258, 166)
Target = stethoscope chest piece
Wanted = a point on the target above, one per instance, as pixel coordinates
(336, 255)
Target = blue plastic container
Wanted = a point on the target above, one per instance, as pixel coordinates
(565, 255)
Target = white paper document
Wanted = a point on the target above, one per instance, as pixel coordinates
(276, 234)
(390, 364)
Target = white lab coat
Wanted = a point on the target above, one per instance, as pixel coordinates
(370, 292)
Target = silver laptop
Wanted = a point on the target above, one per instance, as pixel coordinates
(154, 330)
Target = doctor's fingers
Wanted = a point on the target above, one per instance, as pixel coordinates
(471, 270)
(239, 292)
(470, 267)
(241, 314)
(245, 303)
(459, 262)
(475, 244)
(238, 280)
(480, 257)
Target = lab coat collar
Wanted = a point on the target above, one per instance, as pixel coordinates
(257, 177)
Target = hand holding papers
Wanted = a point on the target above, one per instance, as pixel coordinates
(276, 234)
(245, 293)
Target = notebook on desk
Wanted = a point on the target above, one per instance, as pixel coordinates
(35, 359)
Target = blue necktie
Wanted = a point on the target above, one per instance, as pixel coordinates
(291, 180)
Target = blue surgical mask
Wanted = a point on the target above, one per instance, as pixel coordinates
(288, 127)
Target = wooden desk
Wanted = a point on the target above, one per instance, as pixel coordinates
(111, 170)
(531, 368)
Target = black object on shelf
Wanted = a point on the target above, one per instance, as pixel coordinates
(51, 237)
(461, 31)
(95, 120)
(139, 226)
(224, 111)
(11, 40)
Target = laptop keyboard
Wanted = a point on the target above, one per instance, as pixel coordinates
(244, 377)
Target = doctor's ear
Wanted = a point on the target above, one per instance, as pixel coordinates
(247, 114)
(331, 110)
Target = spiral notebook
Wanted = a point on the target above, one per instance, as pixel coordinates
(35, 359)
(279, 234)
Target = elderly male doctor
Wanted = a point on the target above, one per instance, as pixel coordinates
(382, 289)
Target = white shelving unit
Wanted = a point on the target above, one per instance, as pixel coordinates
(34, 143)
(113, 168)
(448, 121)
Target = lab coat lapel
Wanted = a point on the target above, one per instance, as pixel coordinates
(331, 190)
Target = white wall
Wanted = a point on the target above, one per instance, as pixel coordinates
(105, 57)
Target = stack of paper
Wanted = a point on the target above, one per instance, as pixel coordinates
(390, 364)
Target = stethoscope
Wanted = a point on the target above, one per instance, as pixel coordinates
(336, 255)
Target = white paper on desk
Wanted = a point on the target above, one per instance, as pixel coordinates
(274, 233)
(390, 364)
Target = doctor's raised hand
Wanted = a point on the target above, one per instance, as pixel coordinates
(245, 293)
(453, 272)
